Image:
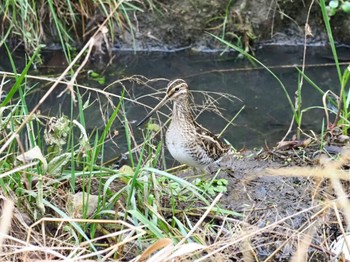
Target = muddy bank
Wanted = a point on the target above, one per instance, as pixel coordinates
(177, 25)
(158, 25)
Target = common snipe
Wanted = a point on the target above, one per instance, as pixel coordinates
(188, 142)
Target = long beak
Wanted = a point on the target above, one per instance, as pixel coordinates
(161, 103)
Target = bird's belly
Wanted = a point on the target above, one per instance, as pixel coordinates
(178, 148)
(179, 153)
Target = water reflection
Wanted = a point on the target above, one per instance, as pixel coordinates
(267, 113)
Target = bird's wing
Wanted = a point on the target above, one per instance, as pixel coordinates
(211, 144)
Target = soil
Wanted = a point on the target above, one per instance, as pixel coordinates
(288, 204)
(280, 208)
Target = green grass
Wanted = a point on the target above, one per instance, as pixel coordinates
(45, 161)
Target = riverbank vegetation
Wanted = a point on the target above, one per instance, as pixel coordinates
(65, 24)
(61, 200)
(164, 25)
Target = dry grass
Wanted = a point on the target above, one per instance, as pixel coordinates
(330, 177)
(221, 237)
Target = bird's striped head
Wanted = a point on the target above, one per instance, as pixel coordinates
(177, 89)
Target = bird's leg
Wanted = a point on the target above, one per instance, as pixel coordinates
(226, 163)
(198, 172)
(212, 169)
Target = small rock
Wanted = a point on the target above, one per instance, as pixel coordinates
(343, 138)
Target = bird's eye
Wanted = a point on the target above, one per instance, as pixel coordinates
(177, 89)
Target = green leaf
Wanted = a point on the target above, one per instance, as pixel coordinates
(57, 163)
(20, 78)
(334, 4)
(93, 74)
(346, 7)
(211, 191)
(330, 11)
(153, 127)
(151, 226)
(101, 80)
(221, 189)
(180, 226)
(97, 77)
(195, 190)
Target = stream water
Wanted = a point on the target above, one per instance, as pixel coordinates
(266, 115)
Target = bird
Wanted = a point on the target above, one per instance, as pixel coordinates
(188, 142)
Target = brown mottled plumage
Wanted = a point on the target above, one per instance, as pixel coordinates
(188, 142)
